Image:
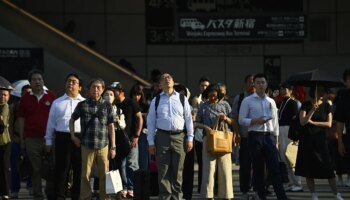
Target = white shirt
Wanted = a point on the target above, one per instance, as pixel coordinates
(254, 106)
(60, 114)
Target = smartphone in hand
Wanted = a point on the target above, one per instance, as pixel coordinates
(267, 118)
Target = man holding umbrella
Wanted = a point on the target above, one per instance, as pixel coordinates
(5, 89)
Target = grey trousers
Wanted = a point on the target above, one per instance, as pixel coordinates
(35, 148)
(170, 160)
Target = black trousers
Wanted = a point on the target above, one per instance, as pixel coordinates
(245, 166)
(4, 170)
(199, 147)
(187, 175)
(67, 155)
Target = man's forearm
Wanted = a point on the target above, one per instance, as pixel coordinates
(71, 127)
(111, 134)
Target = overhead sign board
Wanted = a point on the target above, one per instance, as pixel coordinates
(223, 28)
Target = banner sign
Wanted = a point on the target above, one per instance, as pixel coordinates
(223, 28)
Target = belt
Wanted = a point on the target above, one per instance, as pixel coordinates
(261, 133)
(171, 132)
(67, 133)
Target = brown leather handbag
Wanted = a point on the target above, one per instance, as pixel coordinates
(219, 142)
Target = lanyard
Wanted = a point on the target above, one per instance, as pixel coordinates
(283, 106)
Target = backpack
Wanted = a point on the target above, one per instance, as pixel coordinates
(156, 103)
(241, 97)
(182, 99)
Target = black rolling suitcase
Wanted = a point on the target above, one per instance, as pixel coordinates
(154, 187)
(146, 181)
(141, 185)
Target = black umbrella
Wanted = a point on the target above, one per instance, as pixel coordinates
(5, 84)
(315, 77)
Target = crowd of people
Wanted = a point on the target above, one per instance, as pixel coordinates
(72, 141)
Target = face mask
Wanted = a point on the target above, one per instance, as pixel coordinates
(110, 99)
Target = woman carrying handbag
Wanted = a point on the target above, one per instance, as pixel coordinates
(211, 112)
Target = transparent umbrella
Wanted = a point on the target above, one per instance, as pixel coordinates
(5, 84)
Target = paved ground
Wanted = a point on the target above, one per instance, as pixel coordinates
(321, 185)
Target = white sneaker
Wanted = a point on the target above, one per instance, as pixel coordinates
(296, 188)
(338, 197)
(314, 196)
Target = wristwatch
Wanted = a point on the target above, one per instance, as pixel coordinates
(113, 148)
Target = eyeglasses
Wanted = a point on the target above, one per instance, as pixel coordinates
(73, 82)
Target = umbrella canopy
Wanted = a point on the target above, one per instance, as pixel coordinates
(18, 87)
(315, 77)
(5, 84)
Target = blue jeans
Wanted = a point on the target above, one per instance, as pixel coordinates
(263, 150)
(143, 152)
(129, 165)
(15, 177)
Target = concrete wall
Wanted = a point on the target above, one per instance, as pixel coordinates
(118, 28)
(55, 70)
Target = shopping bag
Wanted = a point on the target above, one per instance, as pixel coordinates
(291, 154)
(219, 142)
(113, 182)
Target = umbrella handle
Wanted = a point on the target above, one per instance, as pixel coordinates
(316, 93)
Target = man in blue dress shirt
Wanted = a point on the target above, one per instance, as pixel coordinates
(166, 138)
(259, 113)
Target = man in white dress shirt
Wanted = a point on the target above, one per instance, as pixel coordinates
(66, 153)
(259, 113)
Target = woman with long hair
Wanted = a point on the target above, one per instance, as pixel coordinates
(137, 94)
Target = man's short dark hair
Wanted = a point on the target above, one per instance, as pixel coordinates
(34, 71)
(26, 87)
(97, 80)
(346, 75)
(75, 75)
(260, 75)
(247, 77)
(203, 79)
